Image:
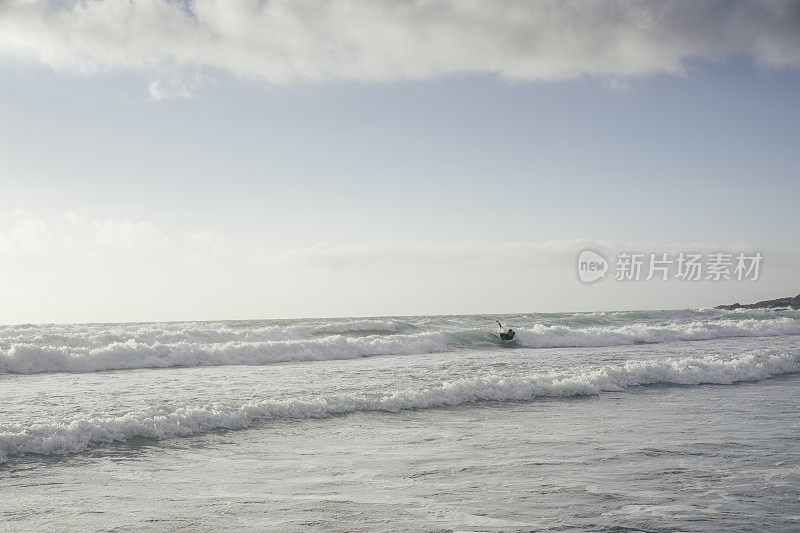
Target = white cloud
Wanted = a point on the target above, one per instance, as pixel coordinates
(480, 255)
(76, 232)
(393, 254)
(284, 41)
(6, 245)
(434, 255)
(176, 86)
(158, 272)
(207, 242)
(124, 234)
(28, 235)
(160, 91)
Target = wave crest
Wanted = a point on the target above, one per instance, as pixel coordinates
(542, 336)
(83, 433)
(31, 359)
(92, 348)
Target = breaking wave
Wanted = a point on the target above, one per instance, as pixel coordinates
(31, 359)
(556, 336)
(91, 335)
(83, 433)
(97, 347)
(93, 348)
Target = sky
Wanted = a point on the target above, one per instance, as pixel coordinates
(238, 160)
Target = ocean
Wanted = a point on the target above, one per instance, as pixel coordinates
(620, 421)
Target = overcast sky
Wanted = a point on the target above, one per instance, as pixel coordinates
(215, 159)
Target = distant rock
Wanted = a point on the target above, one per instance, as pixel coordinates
(780, 303)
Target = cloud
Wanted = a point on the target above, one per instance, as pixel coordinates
(76, 232)
(285, 41)
(434, 255)
(160, 91)
(207, 242)
(30, 235)
(27, 235)
(176, 86)
(124, 234)
(478, 255)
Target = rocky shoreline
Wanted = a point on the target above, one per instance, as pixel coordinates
(779, 303)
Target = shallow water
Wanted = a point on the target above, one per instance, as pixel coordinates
(631, 424)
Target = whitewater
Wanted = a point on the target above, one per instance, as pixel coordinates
(28, 349)
(648, 420)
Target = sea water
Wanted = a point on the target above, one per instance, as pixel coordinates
(647, 421)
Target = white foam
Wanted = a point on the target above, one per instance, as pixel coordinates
(541, 336)
(93, 335)
(367, 324)
(98, 347)
(82, 433)
(31, 358)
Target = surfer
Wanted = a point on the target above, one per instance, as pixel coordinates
(508, 335)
